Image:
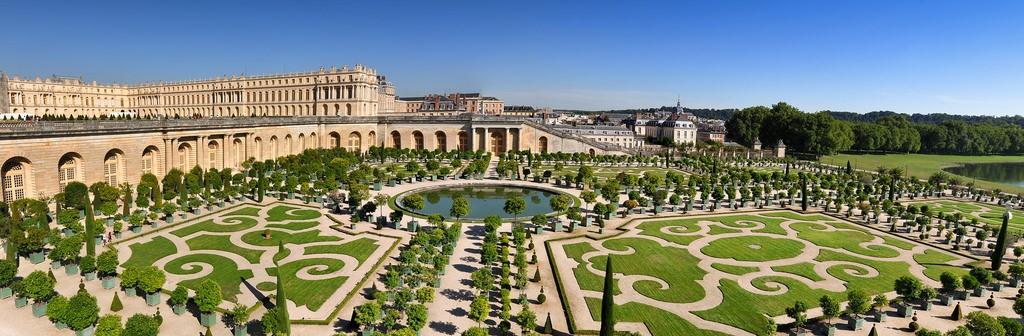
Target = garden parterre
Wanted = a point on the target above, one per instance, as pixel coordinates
(725, 274)
(242, 249)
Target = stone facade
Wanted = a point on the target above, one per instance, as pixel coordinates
(40, 157)
(348, 91)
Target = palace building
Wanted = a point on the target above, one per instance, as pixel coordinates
(222, 122)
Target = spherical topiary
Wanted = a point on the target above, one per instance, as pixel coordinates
(913, 326)
(991, 302)
(541, 298)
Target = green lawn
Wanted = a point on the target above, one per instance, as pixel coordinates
(231, 224)
(225, 272)
(741, 308)
(361, 249)
(223, 243)
(753, 248)
(924, 165)
(285, 213)
(145, 254)
(659, 321)
(310, 293)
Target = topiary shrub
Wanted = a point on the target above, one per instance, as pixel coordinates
(913, 326)
(991, 302)
(115, 305)
(958, 314)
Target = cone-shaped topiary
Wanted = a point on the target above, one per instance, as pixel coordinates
(873, 332)
(115, 305)
(958, 314)
(548, 329)
(208, 332)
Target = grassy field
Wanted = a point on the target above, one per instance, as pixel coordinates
(924, 165)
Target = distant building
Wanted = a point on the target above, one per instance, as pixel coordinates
(615, 135)
(711, 130)
(676, 127)
(450, 104)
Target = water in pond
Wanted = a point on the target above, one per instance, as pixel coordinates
(1001, 172)
(486, 200)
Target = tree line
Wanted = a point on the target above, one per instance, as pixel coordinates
(822, 134)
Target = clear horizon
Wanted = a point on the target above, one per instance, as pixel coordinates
(907, 57)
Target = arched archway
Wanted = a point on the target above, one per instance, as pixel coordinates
(16, 179)
(314, 142)
(335, 139)
(592, 152)
(337, 109)
(372, 138)
(152, 161)
(396, 140)
(463, 141)
(355, 142)
(542, 144)
(114, 170)
(288, 149)
(497, 142)
(348, 109)
(417, 139)
(302, 143)
(441, 141)
(70, 169)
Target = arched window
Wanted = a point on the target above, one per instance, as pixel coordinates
(113, 168)
(151, 161)
(15, 178)
(185, 158)
(542, 143)
(239, 153)
(355, 142)
(212, 151)
(69, 169)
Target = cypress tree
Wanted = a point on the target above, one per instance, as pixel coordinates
(1000, 250)
(284, 321)
(90, 229)
(608, 302)
(803, 194)
(849, 168)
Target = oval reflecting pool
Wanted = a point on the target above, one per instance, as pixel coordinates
(484, 200)
(1000, 172)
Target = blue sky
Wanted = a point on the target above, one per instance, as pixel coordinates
(961, 57)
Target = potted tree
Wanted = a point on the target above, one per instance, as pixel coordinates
(798, 312)
(857, 305)
(969, 284)
(168, 211)
(926, 295)
(88, 265)
(240, 320)
(908, 288)
(207, 298)
(82, 313)
(829, 310)
(8, 270)
(38, 286)
(984, 277)
(20, 298)
(118, 229)
(950, 285)
(151, 279)
(879, 304)
(66, 251)
(179, 298)
(130, 280)
(56, 309)
(106, 266)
